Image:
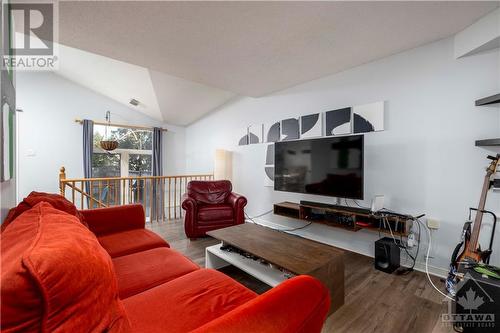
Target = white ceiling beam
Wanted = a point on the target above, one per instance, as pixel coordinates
(481, 36)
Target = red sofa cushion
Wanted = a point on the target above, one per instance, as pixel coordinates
(209, 192)
(57, 201)
(298, 305)
(22, 307)
(185, 303)
(56, 277)
(144, 270)
(215, 212)
(130, 241)
(110, 220)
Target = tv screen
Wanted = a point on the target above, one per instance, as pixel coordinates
(327, 166)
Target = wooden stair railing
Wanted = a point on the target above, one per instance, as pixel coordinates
(160, 196)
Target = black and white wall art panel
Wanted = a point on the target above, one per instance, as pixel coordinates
(270, 154)
(272, 132)
(357, 119)
(255, 134)
(311, 126)
(243, 137)
(269, 167)
(368, 117)
(290, 129)
(338, 122)
(269, 178)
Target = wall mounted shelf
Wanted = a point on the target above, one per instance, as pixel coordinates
(488, 143)
(398, 226)
(495, 99)
(491, 100)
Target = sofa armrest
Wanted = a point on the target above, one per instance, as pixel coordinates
(191, 207)
(238, 202)
(297, 305)
(109, 220)
(188, 203)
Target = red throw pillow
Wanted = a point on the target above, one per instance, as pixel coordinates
(57, 201)
(56, 277)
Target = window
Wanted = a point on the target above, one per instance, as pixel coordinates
(139, 164)
(105, 165)
(132, 158)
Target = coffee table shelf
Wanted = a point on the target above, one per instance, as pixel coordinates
(217, 258)
(293, 254)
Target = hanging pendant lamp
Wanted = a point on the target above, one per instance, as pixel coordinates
(108, 144)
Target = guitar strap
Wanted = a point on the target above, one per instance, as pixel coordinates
(454, 256)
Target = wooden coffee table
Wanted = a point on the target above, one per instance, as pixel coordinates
(279, 257)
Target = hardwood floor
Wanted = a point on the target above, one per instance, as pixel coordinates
(374, 301)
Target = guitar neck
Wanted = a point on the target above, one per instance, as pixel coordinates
(473, 245)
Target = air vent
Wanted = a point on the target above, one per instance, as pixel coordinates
(134, 102)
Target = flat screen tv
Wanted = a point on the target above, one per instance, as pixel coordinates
(327, 166)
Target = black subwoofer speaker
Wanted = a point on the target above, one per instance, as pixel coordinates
(387, 254)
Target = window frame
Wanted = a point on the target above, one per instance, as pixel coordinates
(124, 157)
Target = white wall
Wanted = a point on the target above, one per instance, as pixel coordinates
(47, 126)
(425, 162)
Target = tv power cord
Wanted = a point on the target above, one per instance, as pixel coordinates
(400, 243)
(257, 216)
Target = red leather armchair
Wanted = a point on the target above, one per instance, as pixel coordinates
(211, 205)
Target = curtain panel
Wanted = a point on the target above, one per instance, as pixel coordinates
(156, 200)
(88, 150)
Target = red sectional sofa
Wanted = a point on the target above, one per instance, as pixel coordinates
(100, 270)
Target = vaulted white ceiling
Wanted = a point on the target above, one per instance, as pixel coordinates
(182, 101)
(201, 54)
(161, 96)
(118, 80)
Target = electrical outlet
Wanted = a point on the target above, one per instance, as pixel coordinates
(432, 223)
